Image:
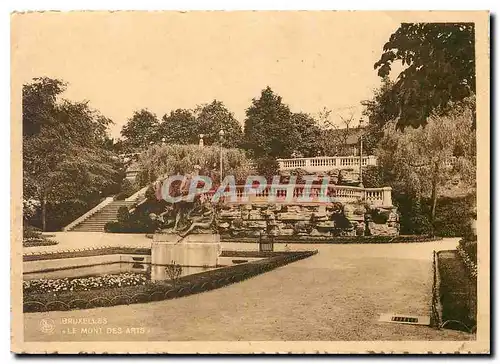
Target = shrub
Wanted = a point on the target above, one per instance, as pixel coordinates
(123, 214)
(267, 167)
(174, 271)
(453, 216)
(127, 189)
(31, 232)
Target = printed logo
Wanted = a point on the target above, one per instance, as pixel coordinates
(47, 326)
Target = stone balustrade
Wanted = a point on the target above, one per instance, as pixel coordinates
(343, 194)
(324, 164)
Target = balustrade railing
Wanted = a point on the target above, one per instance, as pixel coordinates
(313, 194)
(315, 164)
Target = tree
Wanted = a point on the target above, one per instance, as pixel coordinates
(379, 110)
(64, 156)
(439, 63)
(213, 117)
(171, 159)
(269, 129)
(335, 132)
(180, 127)
(423, 161)
(140, 130)
(309, 132)
(39, 103)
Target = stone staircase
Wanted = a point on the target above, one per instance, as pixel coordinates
(96, 221)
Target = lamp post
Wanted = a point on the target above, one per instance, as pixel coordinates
(221, 137)
(361, 124)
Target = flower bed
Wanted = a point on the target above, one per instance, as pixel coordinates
(83, 283)
(155, 291)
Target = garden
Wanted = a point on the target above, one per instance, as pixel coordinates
(110, 290)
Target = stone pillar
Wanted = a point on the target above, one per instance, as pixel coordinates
(386, 196)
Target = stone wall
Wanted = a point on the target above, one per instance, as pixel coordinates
(325, 220)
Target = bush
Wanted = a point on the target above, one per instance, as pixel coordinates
(127, 189)
(267, 167)
(453, 216)
(123, 214)
(31, 232)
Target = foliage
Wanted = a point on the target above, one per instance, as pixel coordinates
(267, 167)
(335, 132)
(127, 189)
(421, 162)
(439, 68)
(213, 117)
(179, 127)
(269, 128)
(31, 232)
(184, 126)
(309, 132)
(173, 271)
(123, 214)
(374, 177)
(467, 249)
(64, 158)
(166, 160)
(33, 236)
(140, 129)
(453, 216)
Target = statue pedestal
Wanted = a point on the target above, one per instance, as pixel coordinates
(196, 250)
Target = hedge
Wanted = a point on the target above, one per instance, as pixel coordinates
(156, 291)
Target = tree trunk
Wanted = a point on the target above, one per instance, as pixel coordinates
(44, 213)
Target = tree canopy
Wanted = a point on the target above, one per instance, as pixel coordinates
(439, 68)
(213, 117)
(64, 147)
(140, 129)
(423, 162)
(272, 130)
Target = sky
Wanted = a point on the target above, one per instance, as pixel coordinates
(126, 61)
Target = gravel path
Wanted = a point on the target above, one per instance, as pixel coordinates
(337, 294)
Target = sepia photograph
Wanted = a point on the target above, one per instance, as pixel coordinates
(250, 182)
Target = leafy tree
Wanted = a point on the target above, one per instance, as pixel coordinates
(422, 162)
(140, 130)
(180, 127)
(269, 129)
(379, 109)
(64, 158)
(213, 117)
(39, 103)
(439, 68)
(309, 132)
(170, 159)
